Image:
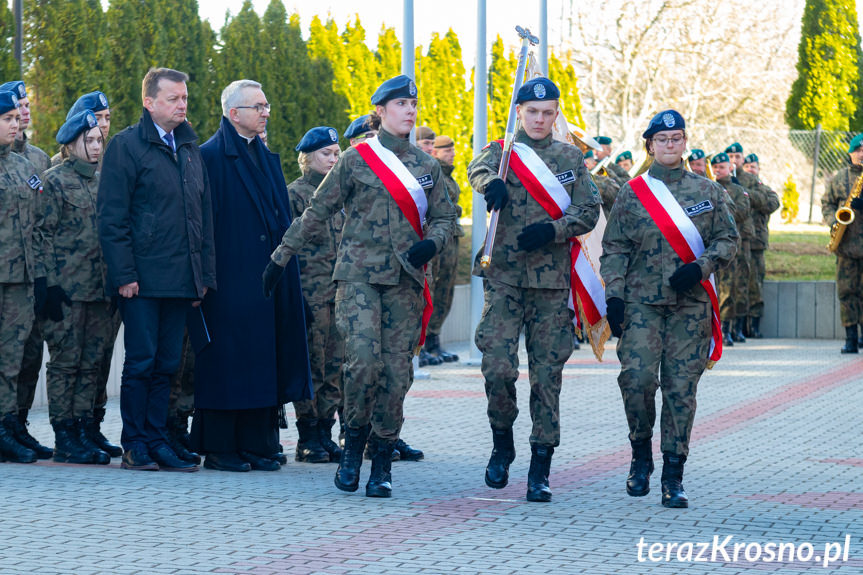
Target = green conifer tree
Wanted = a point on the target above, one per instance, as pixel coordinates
(563, 75)
(8, 64)
(388, 54)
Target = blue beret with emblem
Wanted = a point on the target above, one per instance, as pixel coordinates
(17, 87)
(664, 121)
(750, 159)
(855, 143)
(399, 87)
(604, 140)
(8, 101)
(719, 158)
(358, 127)
(95, 101)
(627, 155)
(734, 148)
(318, 138)
(696, 154)
(80, 122)
(538, 89)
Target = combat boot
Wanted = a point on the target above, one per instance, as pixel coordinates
(67, 448)
(537, 475)
(309, 449)
(428, 359)
(432, 345)
(502, 455)
(94, 432)
(755, 328)
(96, 455)
(406, 452)
(178, 429)
(673, 494)
(640, 468)
(9, 446)
(726, 334)
(737, 333)
(380, 480)
(850, 339)
(367, 455)
(23, 437)
(348, 474)
(860, 341)
(325, 436)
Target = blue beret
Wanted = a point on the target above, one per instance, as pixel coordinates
(318, 138)
(17, 87)
(623, 156)
(538, 89)
(750, 159)
(604, 140)
(588, 154)
(855, 143)
(664, 121)
(358, 126)
(696, 154)
(80, 122)
(8, 101)
(398, 87)
(734, 148)
(719, 158)
(95, 101)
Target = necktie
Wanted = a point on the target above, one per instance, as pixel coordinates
(169, 139)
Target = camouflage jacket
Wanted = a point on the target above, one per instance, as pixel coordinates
(67, 239)
(546, 267)
(376, 235)
(608, 190)
(841, 185)
(454, 192)
(318, 257)
(19, 186)
(637, 261)
(36, 156)
(617, 173)
(764, 202)
(740, 207)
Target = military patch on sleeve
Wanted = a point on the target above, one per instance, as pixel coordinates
(34, 182)
(704, 206)
(426, 181)
(566, 177)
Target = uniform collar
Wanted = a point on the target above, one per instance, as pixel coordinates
(395, 144)
(667, 175)
(4, 151)
(724, 181)
(313, 177)
(81, 166)
(522, 137)
(446, 169)
(19, 146)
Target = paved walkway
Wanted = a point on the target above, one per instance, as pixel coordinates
(776, 458)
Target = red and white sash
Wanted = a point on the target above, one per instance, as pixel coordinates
(408, 195)
(679, 231)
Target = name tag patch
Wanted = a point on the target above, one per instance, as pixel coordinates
(566, 177)
(704, 206)
(34, 182)
(426, 181)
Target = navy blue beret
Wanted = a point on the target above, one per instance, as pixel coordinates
(538, 89)
(603, 140)
(398, 87)
(95, 101)
(358, 126)
(696, 154)
(17, 87)
(80, 122)
(750, 159)
(8, 101)
(719, 158)
(623, 156)
(664, 121)
(734, 148)
(318, 138)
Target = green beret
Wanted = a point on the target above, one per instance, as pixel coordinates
(696, 154)
(855, 143)
(627, 155)
(588, 154)
(719, 158)
(734, 148)
(604, 140)
(750, 159)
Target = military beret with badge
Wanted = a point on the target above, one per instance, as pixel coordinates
(719, 158)
(750, 159)
(95, 101)
(604, 140)
(317, 138)
(537, 90)
(80, 122)
(734, 148)
(856, 143)
(399, 87)
(627, 155)
(696, 154)
(8, 101)
(664, 121)
(358, 127)
(17, 87)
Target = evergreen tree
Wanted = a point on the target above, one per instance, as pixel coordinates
(566, 80)
(242, 48)
(8, 64)
(501, 77)
(326, 49)
(125, 60)
(388, 54)
(361, 68)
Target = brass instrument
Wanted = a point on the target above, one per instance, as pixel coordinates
(638, 169)
(844, 217)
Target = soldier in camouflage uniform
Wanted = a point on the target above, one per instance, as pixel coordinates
(849, 253)
(658, 308)
(614, 171)
(380, 274)
(181, 405)
(96, 102)
(734, 280)
(624, 161)
(697, 162)
(19, 186)
(527, 286)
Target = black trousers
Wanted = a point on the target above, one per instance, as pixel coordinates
(233, 430)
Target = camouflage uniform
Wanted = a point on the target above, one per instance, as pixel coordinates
(666, 334)
(181, 404)
(530, 289)
(608, 190)
(763, 202)
(849, 255)
(378, 301)
(37, 157)
(734, 279)
(616, 173)
(444, 265)
(326, 347)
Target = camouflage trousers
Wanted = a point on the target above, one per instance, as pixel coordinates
(181, 402)
(31, 365)
(326, 354)
(16, 321)
(663, 346)
(443, 272)
(849, 288)
(548, 337)
(734, 285)
(756, 282)
(380, 326)
(76, 345)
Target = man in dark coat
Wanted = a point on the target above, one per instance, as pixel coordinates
(156, 232)
(258, 356)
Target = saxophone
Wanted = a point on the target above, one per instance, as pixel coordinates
(844, 216)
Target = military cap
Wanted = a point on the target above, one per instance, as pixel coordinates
(734, 148)
(719, 158)
(80, 122)
(8, 101)
(663, 121)
(17, 87)
(588, 154)
(358, 126)
(750, 159)
(425, 133)
(855, 143)
(442, 142)
(627, 155)
(696, 154)
(398, 87)
(538, 89)
(604, 140)
(318, 138)
(95, 101)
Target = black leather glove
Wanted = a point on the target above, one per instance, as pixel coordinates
(857, 204)
(40, 293)
(496, 195)
(614, 315)
(686, 277)
(310, 319)
(54, 301)
(421, 252)
(272, 275)
(535, 236)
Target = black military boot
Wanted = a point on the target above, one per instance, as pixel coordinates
(406, 452)
(9, 446)
(367, 455)
(726, 334)
(737, 333)
(497, 470)
(640, 468)
(348, 474)
(755, 328)
(325, 436)
(673, 494)
(67, 448)
(23, 437)
(309, 448)
(380, 480)
(850, 339)
(96, 455)
(860, 341)
(178, 429)
(432, 345)
(94, 432)
(428, 359)
(537, 475)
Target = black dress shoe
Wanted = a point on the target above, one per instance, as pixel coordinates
(226, 462)
(168, 460)
(137, 459)
(259, 462)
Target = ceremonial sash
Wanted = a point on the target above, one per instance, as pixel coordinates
(409, 197)
(679, 231)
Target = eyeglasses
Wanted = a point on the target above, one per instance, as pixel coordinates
(259, 108)
(662, 140)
